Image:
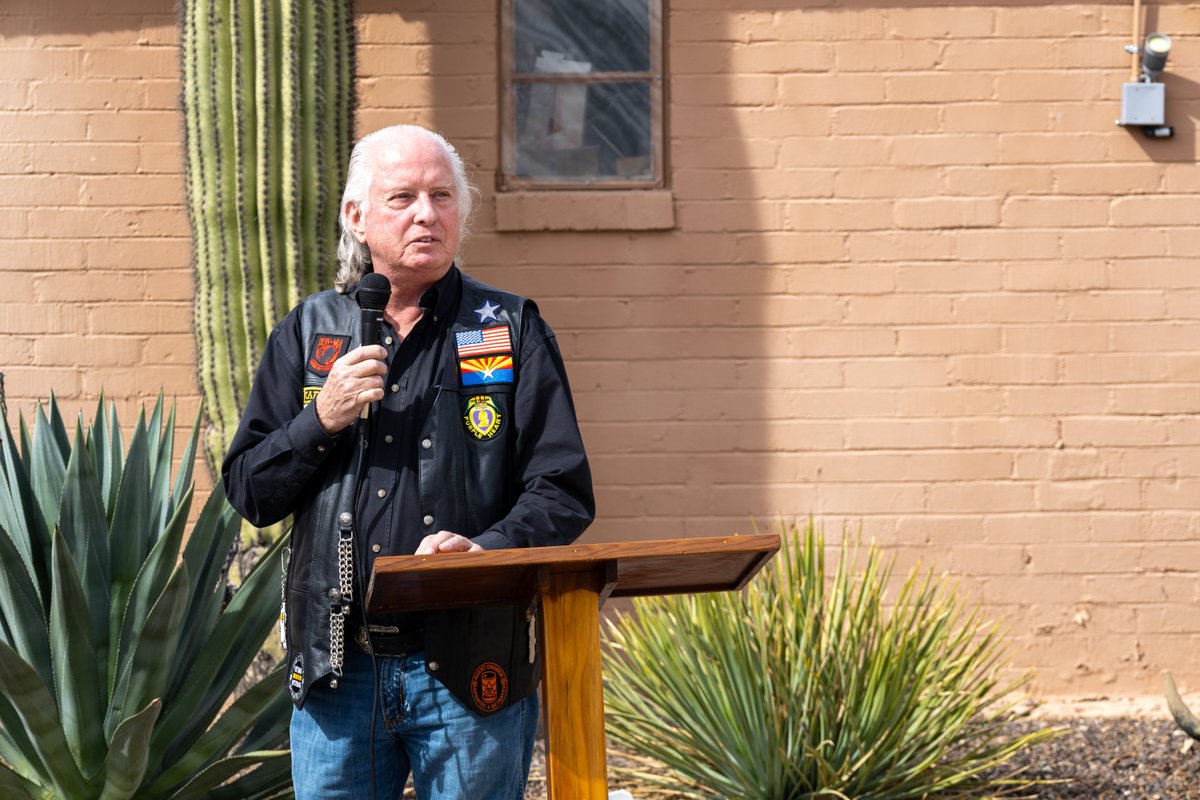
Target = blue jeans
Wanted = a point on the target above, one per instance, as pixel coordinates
(419, 726)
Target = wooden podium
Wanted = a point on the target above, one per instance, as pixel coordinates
(572, 582)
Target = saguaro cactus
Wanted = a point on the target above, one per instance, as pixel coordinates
(268, 106)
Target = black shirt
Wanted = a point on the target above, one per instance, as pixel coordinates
(280, 446)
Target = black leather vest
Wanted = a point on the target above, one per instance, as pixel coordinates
(481, 654)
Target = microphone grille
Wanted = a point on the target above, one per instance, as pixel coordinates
(373, 291)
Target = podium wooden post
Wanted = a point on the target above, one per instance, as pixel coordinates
(573, 582)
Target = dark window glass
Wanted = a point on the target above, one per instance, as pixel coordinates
(583, 93)
(606, 35)
(584, 131)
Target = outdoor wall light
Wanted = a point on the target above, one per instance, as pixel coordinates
(1144, 102)
(1154, 55)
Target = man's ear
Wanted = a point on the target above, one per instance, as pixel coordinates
(355, 220)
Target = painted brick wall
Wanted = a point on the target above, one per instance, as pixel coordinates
(919, 284)
(95, 278)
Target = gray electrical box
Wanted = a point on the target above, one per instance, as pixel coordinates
(1143, 104)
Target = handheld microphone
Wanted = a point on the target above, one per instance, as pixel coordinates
(374, 291)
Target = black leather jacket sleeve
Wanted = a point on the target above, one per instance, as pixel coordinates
(279, 446)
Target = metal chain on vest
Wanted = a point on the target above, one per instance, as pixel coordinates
(285, 559)
(339, 606)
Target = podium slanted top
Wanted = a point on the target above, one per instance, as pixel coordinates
(662, 566)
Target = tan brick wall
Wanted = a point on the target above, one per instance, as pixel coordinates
(919, 283)
(95, 282)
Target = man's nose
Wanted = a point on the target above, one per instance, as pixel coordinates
(423, 209)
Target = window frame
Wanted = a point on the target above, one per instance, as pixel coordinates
(507, 180)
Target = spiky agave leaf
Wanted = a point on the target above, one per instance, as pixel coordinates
(232, 645)
(33, 702)
(12, 786)
(22, 617)
(808, 684)
(127, 756)
(93, 658)
(76, 682)
(84, 527)
(1183, 715)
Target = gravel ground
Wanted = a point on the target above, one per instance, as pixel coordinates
(1115, 749)
(1147, 759)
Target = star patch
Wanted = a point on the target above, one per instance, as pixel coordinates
(326, 348)
(483, 341)
(487, 311)
(489, 686)
(482, 371)
(483, 418)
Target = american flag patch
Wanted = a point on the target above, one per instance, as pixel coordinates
(485, 341)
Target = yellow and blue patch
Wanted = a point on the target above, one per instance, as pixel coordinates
(488, 370)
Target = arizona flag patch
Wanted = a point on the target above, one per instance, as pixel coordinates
(482, 371)
(483, 341)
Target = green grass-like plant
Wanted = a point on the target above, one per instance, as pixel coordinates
(808, 685)
(120, 649)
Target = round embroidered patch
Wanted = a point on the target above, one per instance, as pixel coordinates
(483, 417)
(489, 686)
(296, 677)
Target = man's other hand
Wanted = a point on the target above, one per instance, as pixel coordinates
(355, 380)
(446, 542)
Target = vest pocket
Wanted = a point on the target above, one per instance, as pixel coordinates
(482, 655)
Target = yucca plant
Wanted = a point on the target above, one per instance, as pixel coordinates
(119, 647)
(807, 685)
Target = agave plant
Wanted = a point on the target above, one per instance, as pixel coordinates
(809, 685)
(1188, 722)
(119, 647)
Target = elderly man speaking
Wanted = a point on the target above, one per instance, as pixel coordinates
(454, 431)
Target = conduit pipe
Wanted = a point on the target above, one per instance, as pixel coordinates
(1135, 67)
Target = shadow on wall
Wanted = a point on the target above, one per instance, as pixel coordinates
(663, 332)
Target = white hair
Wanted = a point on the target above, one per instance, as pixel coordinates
(354, 258)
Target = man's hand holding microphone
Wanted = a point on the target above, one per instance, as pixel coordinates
(356, 379)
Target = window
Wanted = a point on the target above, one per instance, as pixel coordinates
(583, 94)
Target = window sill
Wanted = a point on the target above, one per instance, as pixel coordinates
(615, 210)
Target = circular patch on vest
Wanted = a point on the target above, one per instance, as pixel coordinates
(483, 417)
(296, 677)
(489, 686)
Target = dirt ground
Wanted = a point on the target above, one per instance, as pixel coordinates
(1116, 748)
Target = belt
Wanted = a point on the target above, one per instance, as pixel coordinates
(388, 640)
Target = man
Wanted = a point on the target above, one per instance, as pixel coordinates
(471, 443)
